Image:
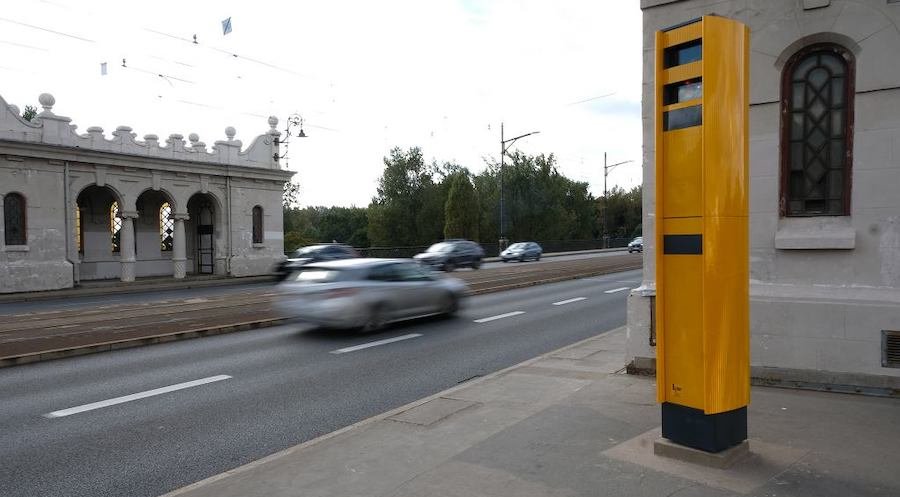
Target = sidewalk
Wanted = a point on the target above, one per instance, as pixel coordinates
(570, 424)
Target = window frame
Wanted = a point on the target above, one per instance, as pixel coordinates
(785, 126)
(23, 220)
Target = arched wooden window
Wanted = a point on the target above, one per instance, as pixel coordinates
(257, 224)
(817, 131)
(166, 227)
(115, 226)
(14, 219)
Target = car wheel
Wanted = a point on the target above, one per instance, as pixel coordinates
(476, 265)
(449, 267)
(377, 319)
(538, 257)
(522, 258)
(451, 305)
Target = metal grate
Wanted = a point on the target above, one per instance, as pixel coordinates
(890, 349)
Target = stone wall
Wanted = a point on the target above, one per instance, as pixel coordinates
(822, 289)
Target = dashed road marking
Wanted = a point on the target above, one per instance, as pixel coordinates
(564, 302)
(375, 343)
(135, 396)
(499, 316)
(614, 290)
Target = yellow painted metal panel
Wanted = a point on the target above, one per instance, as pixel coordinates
(682, 226)
(681, 73)
(725, 100)
(683, 339)
(682, 35)
(660, 200)
(726, 314)
(681, 175)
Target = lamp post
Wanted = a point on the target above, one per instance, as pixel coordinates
(292, 120)
(606, 169)
(503, 148)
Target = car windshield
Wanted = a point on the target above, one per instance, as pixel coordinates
(441, 247)
(315, 275)
(518, 246)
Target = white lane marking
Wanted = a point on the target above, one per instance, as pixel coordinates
(499, 316)
(375, 343)
(135, 396)
(614, 290)
(564, 302)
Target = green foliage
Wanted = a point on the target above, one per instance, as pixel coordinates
(320, 224)
(623, 212)
(29, 113)
(409, 206)
(290, 196)
(539, 202)
(461, 212)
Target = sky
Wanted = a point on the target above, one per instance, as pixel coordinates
(365, 76)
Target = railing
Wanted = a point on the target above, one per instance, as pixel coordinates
(493, 249)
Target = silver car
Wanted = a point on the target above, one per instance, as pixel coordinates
(367, 293)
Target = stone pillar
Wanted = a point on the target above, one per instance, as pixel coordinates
(179, 258)
(126, 245)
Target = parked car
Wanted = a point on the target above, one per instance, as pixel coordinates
(521, 252)
(636, 245)
(314, 253)
(367, 293)
(451, 254)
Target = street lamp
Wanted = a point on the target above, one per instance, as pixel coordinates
(292, 120)
(503, 148)
(606, 169)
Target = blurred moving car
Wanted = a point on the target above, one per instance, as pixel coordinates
(314, 253)
(636, 245)
(522, 251)
(367, 293)
(451, 254)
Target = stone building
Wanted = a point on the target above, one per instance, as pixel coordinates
(824, 187)
(79, 207)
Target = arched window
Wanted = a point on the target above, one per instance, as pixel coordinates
(166, 227)
(816, 131)
(257, 224)
(115, 226)
(14, 219)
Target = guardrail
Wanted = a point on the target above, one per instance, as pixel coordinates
(493, 249)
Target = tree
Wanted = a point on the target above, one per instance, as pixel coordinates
(409, 207)
(29, 113)
(461, 211)
(290, 196)
(622, 211)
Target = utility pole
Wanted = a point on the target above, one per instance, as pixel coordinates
(606, 170)
(503, 149)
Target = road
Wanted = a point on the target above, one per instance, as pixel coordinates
(205, 406)
(212, 291)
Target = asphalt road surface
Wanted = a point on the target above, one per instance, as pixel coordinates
(145, 421)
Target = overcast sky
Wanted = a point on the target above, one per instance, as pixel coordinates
(365, 75)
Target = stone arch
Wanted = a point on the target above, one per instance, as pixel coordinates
(205, 242)
(95, 240)
(816, 39)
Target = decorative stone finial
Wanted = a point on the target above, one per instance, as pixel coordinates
(47, 101)
(194, 138)
(273, 122)
(123, 129)
(95, 129)
(230, 132)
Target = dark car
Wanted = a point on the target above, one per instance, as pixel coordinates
(314, 253)
(451, 254)
(522, 252)
(636, 245)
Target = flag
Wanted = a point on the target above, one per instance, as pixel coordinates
(226, 26)
(103, 68)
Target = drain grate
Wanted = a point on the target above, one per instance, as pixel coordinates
(890, 349)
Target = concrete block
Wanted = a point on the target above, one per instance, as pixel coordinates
(795, 318)
(719, 460)
(849, 356)
(860, 21)
(815, 233)
(779, 351)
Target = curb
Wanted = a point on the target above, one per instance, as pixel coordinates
(378, 417)
(49, 355)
